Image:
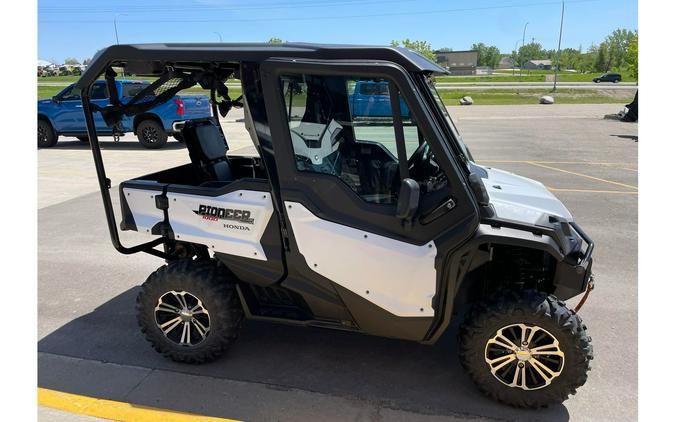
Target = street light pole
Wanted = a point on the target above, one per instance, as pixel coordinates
(557, 65)
(220, 37)
(117, 39)
(515, 49)
(521, 46)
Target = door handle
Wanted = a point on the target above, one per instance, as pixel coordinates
(439, 211)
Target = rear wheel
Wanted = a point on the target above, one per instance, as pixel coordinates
(151, 134)
(525, 349)
(189, 310)
(46, 137)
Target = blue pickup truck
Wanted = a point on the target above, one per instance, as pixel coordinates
(63, 115)
(371, 99)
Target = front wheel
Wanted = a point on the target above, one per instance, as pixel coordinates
(151, 134)
(525, 349)
(189, 310)
(46, 137)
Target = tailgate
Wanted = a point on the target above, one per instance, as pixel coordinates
(196, 106)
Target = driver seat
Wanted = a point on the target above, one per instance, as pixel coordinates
(207, 147)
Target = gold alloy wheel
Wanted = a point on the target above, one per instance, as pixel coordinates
(182, 309)
(524, 356)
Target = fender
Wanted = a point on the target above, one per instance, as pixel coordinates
(147, 116)
(47, 118)
(468, 257)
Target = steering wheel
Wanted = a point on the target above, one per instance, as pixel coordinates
(420, 157)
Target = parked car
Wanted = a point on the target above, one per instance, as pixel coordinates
(608, 77)
(371, 99)
(63, 115)
(48, 71)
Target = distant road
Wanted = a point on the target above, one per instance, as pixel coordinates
(534, 85)
(485, 85)
(538, 83)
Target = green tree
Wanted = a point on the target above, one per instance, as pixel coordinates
(601, 63)
(487, 55)
(617, 47)
(586, 62)
(275, 40)
(515, 57)
(632, 57)
(71, 60)
(570, 58)
(86, 61)
(531, 51)
(422, 47)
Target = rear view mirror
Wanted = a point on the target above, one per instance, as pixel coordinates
(408, 199)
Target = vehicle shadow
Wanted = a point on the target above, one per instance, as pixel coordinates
(122, 145)
(631, 137)
(398, 374)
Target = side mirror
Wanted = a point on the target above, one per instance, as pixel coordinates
(408, 199)
(56, 99)
(479, 189)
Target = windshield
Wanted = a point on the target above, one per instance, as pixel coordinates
(451, 124)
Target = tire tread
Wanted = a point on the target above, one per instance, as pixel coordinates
(534, 304)
(225, 310)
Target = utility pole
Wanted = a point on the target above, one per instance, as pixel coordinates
(117, 39)
(521, 46)
(557, 65)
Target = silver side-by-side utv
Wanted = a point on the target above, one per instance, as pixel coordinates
(362, 211)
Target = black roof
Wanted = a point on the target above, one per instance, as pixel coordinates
(249, 52)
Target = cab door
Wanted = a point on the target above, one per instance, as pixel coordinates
(340, 176)
(68, 115)
(99, 96)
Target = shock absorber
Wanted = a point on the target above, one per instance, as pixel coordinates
(519, 273)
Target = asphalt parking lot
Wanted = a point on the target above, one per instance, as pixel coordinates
(89, 342)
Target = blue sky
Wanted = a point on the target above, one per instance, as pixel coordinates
(78, 28)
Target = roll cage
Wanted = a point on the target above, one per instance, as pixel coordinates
(182, 66)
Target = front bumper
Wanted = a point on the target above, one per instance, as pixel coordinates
(573, 275)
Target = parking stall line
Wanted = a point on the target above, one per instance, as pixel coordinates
(624, 192)
(595, 163)
(115, 410)
(618, 166)
(582, 175)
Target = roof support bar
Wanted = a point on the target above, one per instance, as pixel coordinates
(104, 185)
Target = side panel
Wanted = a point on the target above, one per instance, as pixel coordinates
(232, 223)
(141, 203)
(398, 277)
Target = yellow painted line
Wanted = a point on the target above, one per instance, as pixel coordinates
(595, 163)
(620, 168)
(625, 192)
(115, 410)
(582, 175)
